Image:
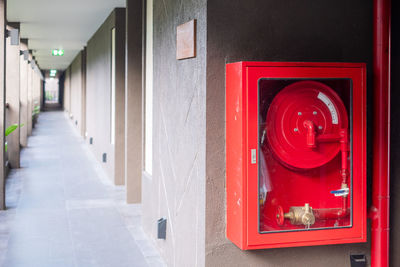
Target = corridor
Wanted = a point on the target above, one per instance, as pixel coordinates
(64, 211)
(196, 133)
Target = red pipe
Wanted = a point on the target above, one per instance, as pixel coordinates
(331, 213)
(344, 148)
(381, 133)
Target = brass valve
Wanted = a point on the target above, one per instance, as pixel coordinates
(301, 215)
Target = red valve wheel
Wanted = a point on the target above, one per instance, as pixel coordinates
(280, 216)
(299, 117)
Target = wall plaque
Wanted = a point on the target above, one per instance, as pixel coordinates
(186, 40)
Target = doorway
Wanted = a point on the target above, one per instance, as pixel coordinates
(52, 93)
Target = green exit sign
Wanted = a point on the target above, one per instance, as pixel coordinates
(53, 73)
(57, 52)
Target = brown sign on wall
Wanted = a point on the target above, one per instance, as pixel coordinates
(186, 40)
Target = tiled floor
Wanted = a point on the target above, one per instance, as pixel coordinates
(63, 211)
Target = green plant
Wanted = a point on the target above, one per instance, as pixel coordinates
(49, 96)
(36, 110)
(9, 130)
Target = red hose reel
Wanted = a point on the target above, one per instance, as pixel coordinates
(304, 124)
(306, 127)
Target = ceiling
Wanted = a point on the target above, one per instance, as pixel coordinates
(59, 24)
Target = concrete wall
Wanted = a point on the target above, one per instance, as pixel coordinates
(2, 101)
(61, 85)
(133, 102)
(36, 88)
(176, 190)
(273, 31)
(76, 91)
(30, 97)
(67, 92)
(119, 117)
(23, 96)
(98, 96)
(42, 94)
(13, 101)
(83, 95)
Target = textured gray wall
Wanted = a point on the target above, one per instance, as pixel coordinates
(76, 91)
(98, 96)
(176, 191)
(67, 91)
(83, 95)
(273, 31)
(98, 91)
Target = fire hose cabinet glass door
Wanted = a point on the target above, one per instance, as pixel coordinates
(295, 154)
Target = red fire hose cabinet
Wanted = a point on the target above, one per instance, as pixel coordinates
(295, 154)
